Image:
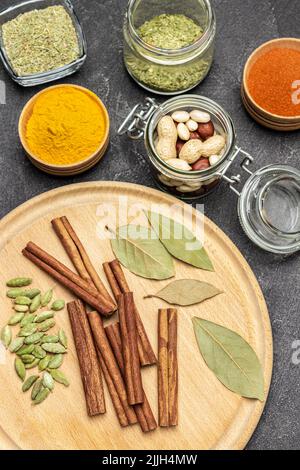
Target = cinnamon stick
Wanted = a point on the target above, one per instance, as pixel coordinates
(173, 367)
(117, 403)
(118, 284)
(143, 411)
(119, 275)
(71, 249)
(146, 353)
(163, 370)
(167, 368)
(88, 361)
(61, 268)
(79, 256)
(70, 280)
(111, 367)
(113, 334)
(112, 280)
(133, 378)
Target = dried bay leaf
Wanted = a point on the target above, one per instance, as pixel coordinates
(185, 292)
(179, 241)
(140, 251)
(231, 358)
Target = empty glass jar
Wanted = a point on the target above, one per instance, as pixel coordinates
(269, 208)
(168, 71)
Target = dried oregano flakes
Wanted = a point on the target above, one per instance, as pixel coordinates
(50, 37)
(170, 31)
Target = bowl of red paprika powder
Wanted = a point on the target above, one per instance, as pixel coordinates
(271, 84)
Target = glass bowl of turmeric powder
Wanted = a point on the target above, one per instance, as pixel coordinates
(41, 41)
(271, 84)
(64, 129)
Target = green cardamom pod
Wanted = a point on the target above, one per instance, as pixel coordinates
(20, 368)
(41, 396)
(27, 358)
(43, 364)
(21, 308)
(34, 338)
(31, 293)
(16, 344)
(63, 338)
(18, 292)
(29, 382)
(28, 330)
(46, 298)
(16, 318)
(38, 352)
(22, 300)
(54, 348)
(19, 282)
(58, 305)
(14, 293)
(35, 304)
(56, 361)
(48, 381)
(50, 339)
(29, 318)
(6, 336)
(36, 389)
(46, 325)
(32, 364)
(26, 349)
(41, 317)
(60, 377)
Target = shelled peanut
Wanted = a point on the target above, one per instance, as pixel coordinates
(188, 141)
(167, 138)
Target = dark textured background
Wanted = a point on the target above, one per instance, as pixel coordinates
(242, 26)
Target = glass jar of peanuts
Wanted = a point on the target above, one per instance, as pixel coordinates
(169, 46)
(190, 142)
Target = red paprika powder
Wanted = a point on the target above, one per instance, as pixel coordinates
(274, 81)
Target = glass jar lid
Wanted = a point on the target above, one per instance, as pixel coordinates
(269, 208)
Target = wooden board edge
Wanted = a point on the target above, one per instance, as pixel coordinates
(237, 443)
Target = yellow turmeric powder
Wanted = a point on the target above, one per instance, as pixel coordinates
(67, 125)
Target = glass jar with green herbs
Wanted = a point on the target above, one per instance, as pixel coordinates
(168, 46)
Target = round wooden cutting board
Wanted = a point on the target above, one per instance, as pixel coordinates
(210, 416)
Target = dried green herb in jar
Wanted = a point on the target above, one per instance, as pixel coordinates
(40, 40)
(170, 31)
(167, 78)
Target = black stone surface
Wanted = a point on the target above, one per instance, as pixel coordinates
(242, 26)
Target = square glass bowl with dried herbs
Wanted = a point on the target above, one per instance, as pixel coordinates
(41, 41)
